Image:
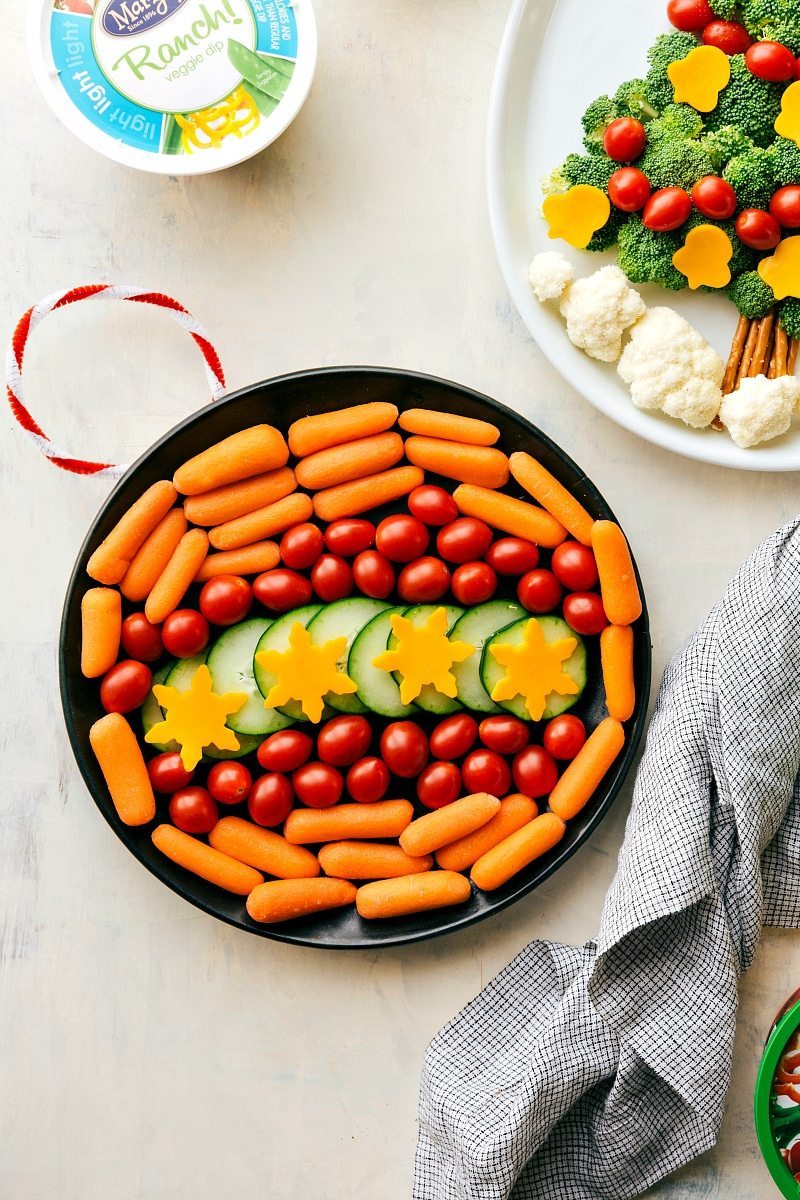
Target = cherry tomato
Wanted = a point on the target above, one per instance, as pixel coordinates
(564, 736)
(624, 139)
(535, 772)
(432, 505)
(404, 748)
(193, 810)
(270, 800)
(344, 739)
(318, 785)
(785, 206)
(714, 197)
(282, 589)
(140, 639)
(167, 772)
(301, 546)
(666, 209)
(439, 784)
(185, 633)
(332, 578)
(574, 566)
(349, 536)
(506, 735)
(770, 60)
(464, 540)
(285, 751)
(584, 612)
(226, 599)
(758, 229)
(126, 686)
(368, 780)
(797, 68)
(512, 556)
(401, 538)
(473, 582)
(454, 736)
(229, 782)
(539, 591)
(424, 580)
(689, 15)
(486, 771)
(629, 189)
(729, 36)
(373, 574)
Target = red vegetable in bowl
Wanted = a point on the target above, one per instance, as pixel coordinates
(126, 686)
(666, 209)
(728, 36)
(624, 139)
(226, 599)
(689, 15)
(629, 189)
(771, 61)
(714, 197)
(758, 229)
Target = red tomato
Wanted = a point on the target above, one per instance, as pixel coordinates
(349, 536)
(666, 209)
(506, 735)
(226, 599)
(126, 686)
(539, 591)
(564, 736)
(785, 206)
(344, 739)
(473, 583)
(229, 782)
(454, 736)
(486, 771)
(714, 197)
(285, 751)
(464, 540)
(332, 578)
(574, 566)
(318, 785)
(629, 189)
(140, 639)
(584, 612)
(794, 1159)
(689, 15)
(373, 574)
(729, 36)
(797, 68)
(423, 581)
(758, 229)
(404, 748)
(512, 556)
(439, 784)
(401, 538)
(185, 633)
(270, 800)
(624, 139)
(368, 780)
(770, 60)
(432, 505)
(282, 589)
(301, 546)
(167, 772)
(535, 772)
(193, 810)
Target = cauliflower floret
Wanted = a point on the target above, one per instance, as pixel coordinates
(669, 366)
(598, 309)
(550, 274)
(760, 409)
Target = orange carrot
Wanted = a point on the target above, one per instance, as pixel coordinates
(618, 587)
(449, 427)
(469, 464)
(101, 624)
(581, 778)
(512, 516)
(347, 499)
(286, 899)
(354, 460)
(411, 894)
(496, 866)
(552, 495)
(262, 848)
(515, 811)
(153, 555)
(113, 556)
(370, 860)
(240, 456)
(195, 856)
(616, 657)
(445, 825)
(262, 523)
(234, 500)
(382, 819)
(178, 574)
(124, 769)
(250, 560)
(310, 434)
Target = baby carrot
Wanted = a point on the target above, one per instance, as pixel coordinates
(448, 426)
(101, 624)
(496, 866)
(347, 499)
(618, 587)
(153, 555)
(412, 894)
(285, 899)
(469, 464)
(113, 556)
(370, 860)
(616, 658)
(354, 460)
(262, 848)
(552, 495)
(234, 500)
(515, 811)
(195, 856)
(248, 452)
(381, 819)
(178, 574)
(445, 825)
(310, 434)
(579, 781)
(262, 523)
(249, 560)
(124, 769)
(512, 516)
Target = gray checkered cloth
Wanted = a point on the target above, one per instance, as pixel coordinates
(594, 1072)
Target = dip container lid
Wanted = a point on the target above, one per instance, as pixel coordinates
(778, 1118)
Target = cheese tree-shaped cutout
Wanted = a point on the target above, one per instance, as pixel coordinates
(423, 655)
(704, 256)
(577, 214)
(196, 717)
(781, 271)
(306, 673)
(699, 78)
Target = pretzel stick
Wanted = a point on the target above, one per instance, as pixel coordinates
(763, 343)
(747, 353)
(735, 356)
(791, 361)
(778, 364)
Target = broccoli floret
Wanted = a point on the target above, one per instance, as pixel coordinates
(677, 120)
(674, 162)
(789, 317)
(555, 183)
(750, 103)
(666, 49)
(606, 237)
(775, 20)
(752, 177)
(723, 144)
(751, 295)
(630, 100)
(726, 10)
(742, 259)
(595, 169)
(785, 157)
(646, 256)
(594, 121)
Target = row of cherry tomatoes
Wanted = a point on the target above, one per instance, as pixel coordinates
(766, 59)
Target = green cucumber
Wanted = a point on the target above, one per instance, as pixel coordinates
(553, 629)
(230, 662)
(345, 618)
(377, 689)
(430, 699)
(152, 712)
(277, 638)
(476, 627)
(182, 671)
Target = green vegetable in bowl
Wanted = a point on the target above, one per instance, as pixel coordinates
(789, 317)
(646, 256)
(774, 20)
(667, 48)
(630, 100)
(785, 161)
(594, 121)
(749, 103)
(595, 169)
(752, 177)
(723, 144)
(752, 297)
(675, 162)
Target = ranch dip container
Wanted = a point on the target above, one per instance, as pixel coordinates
(777, 1100)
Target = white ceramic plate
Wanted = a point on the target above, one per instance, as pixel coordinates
(557, 56)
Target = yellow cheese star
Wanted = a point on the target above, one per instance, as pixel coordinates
(704, 256)
(787, 123)
(577, 214)
(423, 655)
(306, 673)
(533, 669)
(781, 271)
(196, 718)
(699, 78)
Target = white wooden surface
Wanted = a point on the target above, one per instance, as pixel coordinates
(148, 1052)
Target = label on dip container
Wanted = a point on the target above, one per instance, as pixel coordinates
(175, 86)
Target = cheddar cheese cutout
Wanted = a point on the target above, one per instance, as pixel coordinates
(305, 672)
(534, 669)
(196, 717)
(781, 271)
(423, 655)
(787, 122)
(699, 78)
(577, 214)
(704, 256)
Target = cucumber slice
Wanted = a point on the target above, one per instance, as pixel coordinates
(377, 689)
(152, 713)
(230, 662)
(476, 627)
(553, 629)
(430, 700)
(345, 618)
(277, 638)
(182, 672)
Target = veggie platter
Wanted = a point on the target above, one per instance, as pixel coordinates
(354, 657)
